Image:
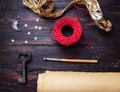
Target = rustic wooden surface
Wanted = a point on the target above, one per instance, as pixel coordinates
(105, 47)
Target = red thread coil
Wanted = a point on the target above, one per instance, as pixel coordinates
(76, 31)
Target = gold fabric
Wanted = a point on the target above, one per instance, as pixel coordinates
(45, 8)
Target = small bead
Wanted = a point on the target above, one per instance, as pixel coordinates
(35, 38)
(12, 40)
(29, 33)
(26, 25)
(26, 41)
(36, 27)
(37, 20)
(40, 28)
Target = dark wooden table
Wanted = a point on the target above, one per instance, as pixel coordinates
(105, 47)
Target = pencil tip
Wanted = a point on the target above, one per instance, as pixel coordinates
(44, 58)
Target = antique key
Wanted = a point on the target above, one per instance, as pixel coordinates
(24, 58)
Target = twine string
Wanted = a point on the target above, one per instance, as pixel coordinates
(73, 25)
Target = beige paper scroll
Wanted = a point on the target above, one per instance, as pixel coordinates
(78, 82)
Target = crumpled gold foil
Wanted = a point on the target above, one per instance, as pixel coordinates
(45, 8)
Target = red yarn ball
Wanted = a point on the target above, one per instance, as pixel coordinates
(74, 37)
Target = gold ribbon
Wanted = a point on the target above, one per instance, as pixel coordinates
(45, 8)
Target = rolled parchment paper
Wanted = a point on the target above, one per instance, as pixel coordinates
(78, 82)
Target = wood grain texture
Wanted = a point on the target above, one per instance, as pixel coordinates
(105, 47)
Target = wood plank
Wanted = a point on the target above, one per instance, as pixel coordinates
(105, 47)
(107, 56)
(8, 82)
